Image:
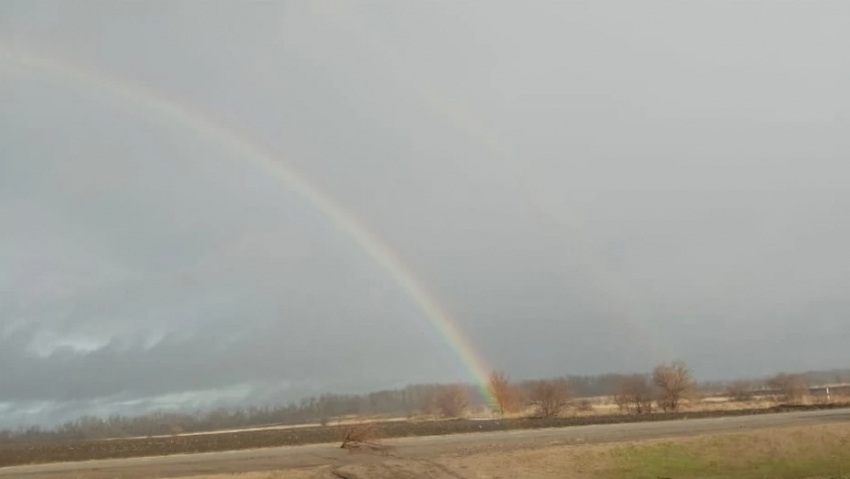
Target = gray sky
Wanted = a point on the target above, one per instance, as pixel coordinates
(585, 187)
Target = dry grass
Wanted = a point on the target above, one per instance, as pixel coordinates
(784, 453)
(726, 404)
(820, 451)
(605, 406)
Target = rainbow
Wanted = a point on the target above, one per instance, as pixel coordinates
(243, 148)
(623, 306)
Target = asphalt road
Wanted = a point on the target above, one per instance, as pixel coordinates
(415, 447)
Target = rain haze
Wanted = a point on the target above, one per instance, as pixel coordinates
(582, 187)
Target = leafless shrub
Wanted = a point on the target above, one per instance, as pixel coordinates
(357, 435)
(673, 382)
(505, 395)
(452, 401)
(585, 405)
(791, 387)
(740, 391)
(549, 397)
(634, 395)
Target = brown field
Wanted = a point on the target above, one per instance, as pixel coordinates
(17, 454)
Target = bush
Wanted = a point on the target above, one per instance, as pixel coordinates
(673, 382)
(791, 387)
(357, 435)
(452, 401)
(549, 397)
(634, 395)
(740, 391)
(505, 395)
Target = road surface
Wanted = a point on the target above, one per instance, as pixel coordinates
(283, 458)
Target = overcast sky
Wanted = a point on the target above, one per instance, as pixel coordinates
(585, 187)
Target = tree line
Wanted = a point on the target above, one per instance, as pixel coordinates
(664, 389)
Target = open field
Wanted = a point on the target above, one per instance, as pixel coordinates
(816, 440)
(24, 453)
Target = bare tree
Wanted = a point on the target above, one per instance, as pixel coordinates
(549, 397)
(363, 437)
(673, 381)
(503, 393)
(452, 400)
(791, 387)
(742, 390)
(355, 434)
(634, 395)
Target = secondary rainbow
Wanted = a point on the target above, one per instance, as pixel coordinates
(243, 148)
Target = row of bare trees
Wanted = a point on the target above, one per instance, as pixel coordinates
(783, 387)
(665, 388)
(548, 397)
(635, 395)
(670, 383)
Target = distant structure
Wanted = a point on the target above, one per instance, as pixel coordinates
(830, 391)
